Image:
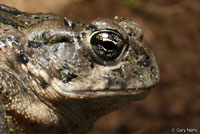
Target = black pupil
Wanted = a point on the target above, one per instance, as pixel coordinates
(108, 45)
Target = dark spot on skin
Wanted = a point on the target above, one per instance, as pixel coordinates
(91, 64)
(145, 60)
(69, 77)
(119, 79)
(78, 37)
(10, 11)
(34, 44)
(44, 36)
(48, 17)
(83, 35)
(91, 27)
(120, 19)
(119, 70)
(135, 72)
(142, 56)
(7, 22)
(10, 38)
(141, 38)
(130, 33)
(85, 24)
(65, 66)
(40, 19)
(23, 90)
(11, 65)
(140, 63)
(23, 58)
(139, 51)
(36, 17)
(146, 63)
(43, 83)
(66, 73)
(109, 83)
(146, 57)
(90, 61)
(3, 41)
(126, 58)
(153, 72)
(69, 23)
(153, 68)
(121, 82)
(151, 76)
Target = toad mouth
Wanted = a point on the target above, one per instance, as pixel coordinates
(105, 93)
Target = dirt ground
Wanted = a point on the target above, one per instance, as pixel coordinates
(172, 31)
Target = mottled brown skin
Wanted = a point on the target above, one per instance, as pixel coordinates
(58, 77)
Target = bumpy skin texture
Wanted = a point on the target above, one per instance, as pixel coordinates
(57, 77)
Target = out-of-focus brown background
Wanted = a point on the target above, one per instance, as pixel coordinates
(172, 31)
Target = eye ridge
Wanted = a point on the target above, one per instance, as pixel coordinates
(107, 44)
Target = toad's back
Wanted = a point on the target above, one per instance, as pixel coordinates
(58, 77)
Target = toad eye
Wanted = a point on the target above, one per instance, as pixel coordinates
(107, 44)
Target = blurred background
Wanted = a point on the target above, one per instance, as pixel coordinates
(172, 31)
